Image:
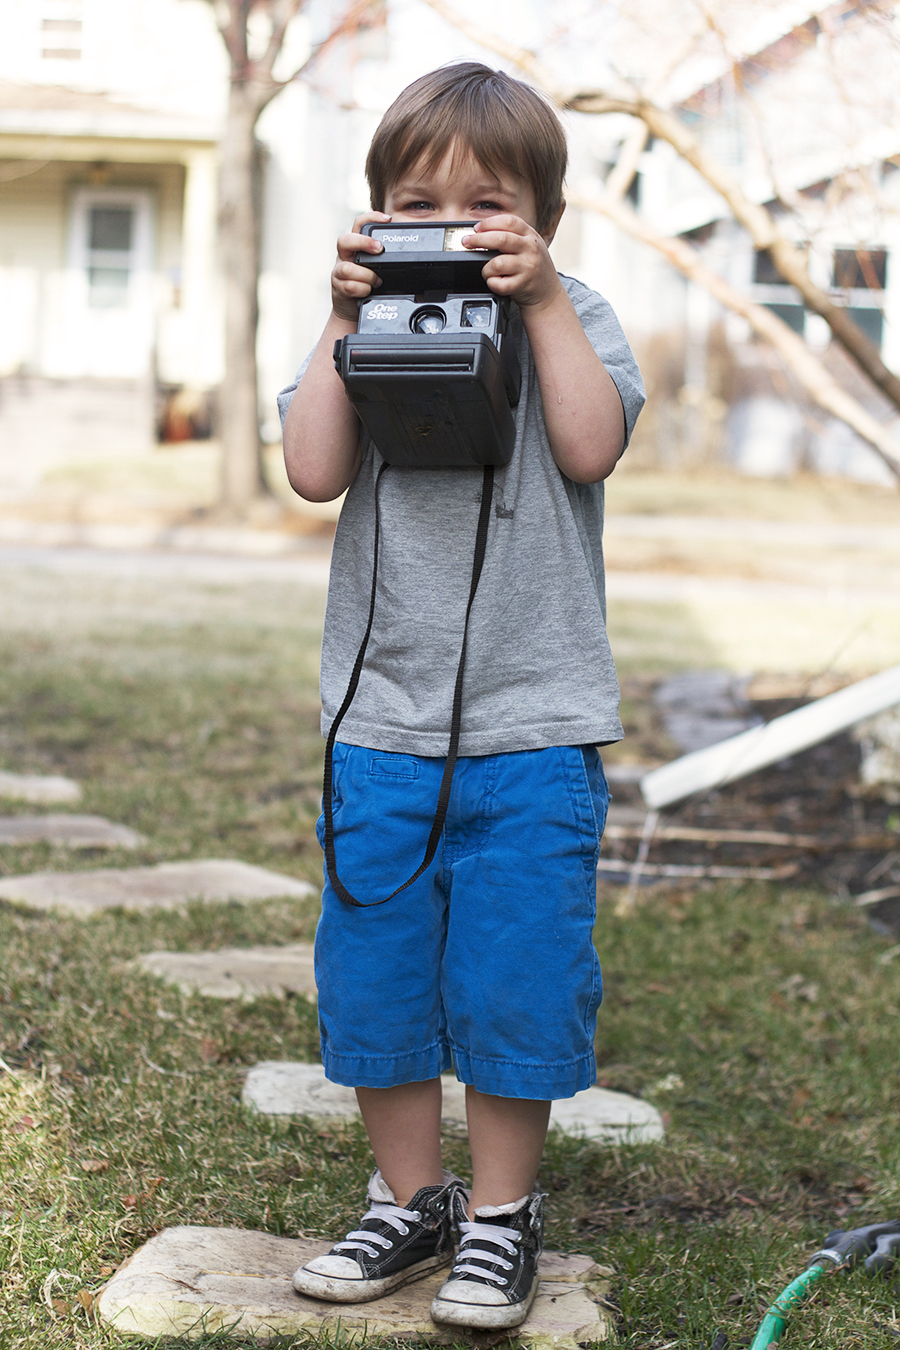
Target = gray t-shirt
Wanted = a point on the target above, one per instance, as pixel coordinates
(538, 667)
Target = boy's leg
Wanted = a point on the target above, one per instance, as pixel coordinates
(495, 1275)
(506, 1139)
(404, 1128)
(521, 984)
(380, 1013)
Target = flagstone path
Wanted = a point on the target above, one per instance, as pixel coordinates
(35, 787)
(188, 1280)
(165, 886)
(284, 1088)
(237, 972)
(67, 830)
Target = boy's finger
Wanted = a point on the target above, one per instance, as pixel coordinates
(348, 244)
(350, 271)
(370, 218)
(503, 222)
(502, 241)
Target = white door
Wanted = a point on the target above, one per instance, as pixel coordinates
(107, 329)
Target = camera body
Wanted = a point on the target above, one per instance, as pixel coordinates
(431, 370)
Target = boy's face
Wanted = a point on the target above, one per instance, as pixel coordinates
(459, 188)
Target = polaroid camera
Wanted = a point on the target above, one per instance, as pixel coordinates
(431, 370)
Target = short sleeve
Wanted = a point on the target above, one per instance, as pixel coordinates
(284, 398)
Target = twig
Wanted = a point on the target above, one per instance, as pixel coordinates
(634, 880)
(157, 1068)
(697, 871)
(875, 897)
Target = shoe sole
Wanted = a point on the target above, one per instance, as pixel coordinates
(333, 1289)
(483, 1315)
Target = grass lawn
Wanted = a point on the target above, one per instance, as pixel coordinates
(760, 1020)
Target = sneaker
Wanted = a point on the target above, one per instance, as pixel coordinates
(391, 1246)
(495, 1275)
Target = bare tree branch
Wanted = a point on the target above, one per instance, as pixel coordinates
(522, 57)
(788, 258)
(803, 364)
(621, 175)
(233, 27)
(347, 24)
(282, 12)
(255, 76)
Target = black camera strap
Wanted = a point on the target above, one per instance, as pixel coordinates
(440, 815)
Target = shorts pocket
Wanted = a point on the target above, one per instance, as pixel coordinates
(393, 766)
(597, 785)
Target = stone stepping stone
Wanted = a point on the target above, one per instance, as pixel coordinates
(237, 972)
(68, 831)
(283, 1088)
(190, 1280)
(35, 787)
(165, 886)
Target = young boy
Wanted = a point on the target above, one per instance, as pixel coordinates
(486, 961)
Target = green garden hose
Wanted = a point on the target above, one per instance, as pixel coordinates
(877, 1246)
(775, 1320)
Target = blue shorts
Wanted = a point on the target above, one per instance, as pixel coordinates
(487, 961)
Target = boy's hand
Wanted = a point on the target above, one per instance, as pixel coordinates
(349, 281)
(524, 271)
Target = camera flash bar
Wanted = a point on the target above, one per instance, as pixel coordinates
(409, 249)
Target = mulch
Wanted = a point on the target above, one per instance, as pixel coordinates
(816, 792)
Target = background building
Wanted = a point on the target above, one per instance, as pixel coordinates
(110, 113)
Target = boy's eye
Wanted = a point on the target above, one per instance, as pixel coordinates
(488, 206)
(417, 206)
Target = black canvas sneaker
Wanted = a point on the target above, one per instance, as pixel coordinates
(392, 1245)
(495, 1275)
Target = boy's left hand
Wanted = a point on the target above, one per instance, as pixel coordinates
(524, 271)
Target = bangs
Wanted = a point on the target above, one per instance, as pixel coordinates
(496, 147)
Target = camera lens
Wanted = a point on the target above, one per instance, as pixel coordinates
(429, 320)
(477, 314)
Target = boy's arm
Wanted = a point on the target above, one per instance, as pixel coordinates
(321, 428)
(582, 408)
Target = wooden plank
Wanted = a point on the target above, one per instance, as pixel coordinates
(699, 872)
(779, 739)
(771, 838)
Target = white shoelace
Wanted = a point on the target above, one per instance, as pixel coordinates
(487, 1232)
(390, 1214)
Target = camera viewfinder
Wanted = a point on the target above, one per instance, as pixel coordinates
(477, 314)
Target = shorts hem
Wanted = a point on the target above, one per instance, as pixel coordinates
(525, 1079)
(383, 1071)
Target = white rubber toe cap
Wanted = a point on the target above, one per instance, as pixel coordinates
(336, 1278)
(468, 1292)
(337, 1267)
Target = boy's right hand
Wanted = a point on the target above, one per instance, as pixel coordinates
(351, 282)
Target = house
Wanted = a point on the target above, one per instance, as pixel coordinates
(110, 299)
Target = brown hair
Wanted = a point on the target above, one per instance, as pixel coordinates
(505, 124)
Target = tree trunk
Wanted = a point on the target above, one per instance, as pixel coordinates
(242, 480)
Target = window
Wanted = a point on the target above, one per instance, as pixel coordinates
(860, 277)
(770, 289)
(61, 30)
(109, 257)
